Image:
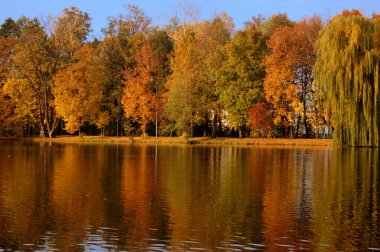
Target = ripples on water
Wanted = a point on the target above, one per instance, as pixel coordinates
(75, 197)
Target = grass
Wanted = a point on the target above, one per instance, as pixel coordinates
(194, 140)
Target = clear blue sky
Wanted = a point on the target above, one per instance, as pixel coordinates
(161, 10)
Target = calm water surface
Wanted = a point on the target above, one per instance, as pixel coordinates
(106, 197)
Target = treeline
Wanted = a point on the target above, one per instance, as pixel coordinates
(274, 78)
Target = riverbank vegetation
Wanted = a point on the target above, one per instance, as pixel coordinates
(218, 141)
(274, 78)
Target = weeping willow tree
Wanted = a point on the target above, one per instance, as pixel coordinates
(347, 71)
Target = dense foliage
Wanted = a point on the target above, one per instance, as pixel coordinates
(273, 78)
(347, 71)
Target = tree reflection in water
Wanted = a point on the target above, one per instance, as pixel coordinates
(133, 197)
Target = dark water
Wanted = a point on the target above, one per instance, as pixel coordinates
(75, 197)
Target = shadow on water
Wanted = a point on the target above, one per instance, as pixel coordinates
(140, 197)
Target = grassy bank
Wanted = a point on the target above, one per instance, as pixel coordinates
(194, 140)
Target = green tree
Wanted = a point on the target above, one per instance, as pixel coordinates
(347, 70)
(183, 84)
(11, 27)
(112, 64)
(274, 22)
(215, 34)
(192, 97)
(243, 76)
(8, 28)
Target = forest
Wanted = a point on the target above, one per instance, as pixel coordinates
(273, 78)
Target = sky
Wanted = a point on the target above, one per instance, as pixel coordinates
(161, 10)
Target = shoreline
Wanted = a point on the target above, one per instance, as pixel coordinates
(221, 141)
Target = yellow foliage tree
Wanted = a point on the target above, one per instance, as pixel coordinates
(78, 90)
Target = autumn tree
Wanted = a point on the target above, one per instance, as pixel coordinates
(306, 33)
(376, 35)
(193, 97)
(215, 34)
(6, 47)
(269, 26)
(17, 106)
(139, 99)
(280, 87)
(70, 31)
(260, 119)
(143, 95)
(243, 76)
(77, 90)
(124, 36)
(289, 80)
(347, 70)
(132, 29)
(162, 46)
(183, 85)
(7, 105)
(34, 68)
(111, 67)
(39, 52)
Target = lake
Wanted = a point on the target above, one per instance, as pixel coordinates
(107, 197)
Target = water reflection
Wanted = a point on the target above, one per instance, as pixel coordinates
(122, 197)
(143, 198)
(346, 205)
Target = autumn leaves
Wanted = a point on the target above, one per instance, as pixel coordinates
(273, 78)
(288, 85)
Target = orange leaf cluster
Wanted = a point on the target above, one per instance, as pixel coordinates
(140, 95)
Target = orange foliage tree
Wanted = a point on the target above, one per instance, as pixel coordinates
(140, 100)
(289, 67)
(260, 118)
(280, 88)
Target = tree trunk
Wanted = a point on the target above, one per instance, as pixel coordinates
(220, 126)
(41, 120)
(317, 134)
(205, 127)
(79, 131)
(305, 107)
(306, 128)
(298, 125)
(52, 121)
(46, 112)
(291, 131)
(117, 126)
(214, 124)
(191, 129)
(240, 132)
